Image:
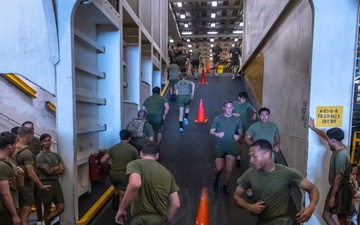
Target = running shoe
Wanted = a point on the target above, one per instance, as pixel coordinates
(215, 183)
(186, 121)
(181, 130)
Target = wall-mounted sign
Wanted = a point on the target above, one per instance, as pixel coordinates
(329, 116)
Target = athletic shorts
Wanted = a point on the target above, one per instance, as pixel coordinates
(195, 62)
(182, 69)
(54, 194)
(156, 121)
(216, 59)
(5, 218)
(148, 219)
(26, 196)
(221, 153)
(184, 100)
(118, 179)
(343, 198)
(173, 81)
(282, 220)
(235, 62)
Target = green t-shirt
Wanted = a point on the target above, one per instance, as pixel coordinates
(155, 105)
(121, 154)
(266, 131)
(173, 71)
(184, 87)
(231, 125)
(52, 159)
(157, 183)
(242, 110)
(340, 163)
(196, 54)
(23, 157)
(35, 147)
(273, 187)
(138, 142)
(180, 60)
(7, 173)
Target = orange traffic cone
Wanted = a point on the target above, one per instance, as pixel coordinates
(208, 67)
(202, 217)
(203, 79)
(201, 113)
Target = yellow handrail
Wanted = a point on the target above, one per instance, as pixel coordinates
(165, 87)
(51, 106)
(96, 207)
(20, 84)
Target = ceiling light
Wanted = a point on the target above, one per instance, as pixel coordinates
(237, 31)
(211, 39)
(214, 3)
(188, 40)
(210, 54)
(190, 46)
(233, 45)
(210, 58)
(171, 40)
(212, 32)
(182, 16)
(212, 45)
(212, 25)
(210, 50)
(213, 15)
(236, 39)
(241, 24)
(186, 25)
(179, 4)
(186, 32)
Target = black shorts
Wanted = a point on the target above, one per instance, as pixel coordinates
(195, 62)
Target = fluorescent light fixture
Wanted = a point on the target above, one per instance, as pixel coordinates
(190, 50)
(241, 24)
(211, 39)
(237, 31)
(187, 40)
(190, 46)
(212, 24)
(171, 40)
(210, 50)
(213, 15)
(186, 32)
(211, 58)
(233, 45)
(179, 4)
(236, 39)
(210, 54)
(182, 16)
(212, 32)
(212, 45)
(214, 3)
(186, 25)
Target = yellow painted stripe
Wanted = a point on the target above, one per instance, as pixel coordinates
(96, 207)
(165, 87)
(53, 207)
(20, 84)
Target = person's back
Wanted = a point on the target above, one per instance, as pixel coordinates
(121, 154)
(173, 71)
(157, 183)
(196, 54)
(140, 130)
(155, 105)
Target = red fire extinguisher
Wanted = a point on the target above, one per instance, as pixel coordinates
(104, 169)
(94, 174)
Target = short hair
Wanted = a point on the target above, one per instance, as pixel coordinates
(243, 94)
(150, 148)
(43, 136)
(142, 114)
(228, 101)
(183, 75)
(27, 122)
(124, 134)
(14, 130)
(23, 131)
(264, 109)
(335, 133)
(263, 144)
(156, 90)
(7, 138)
